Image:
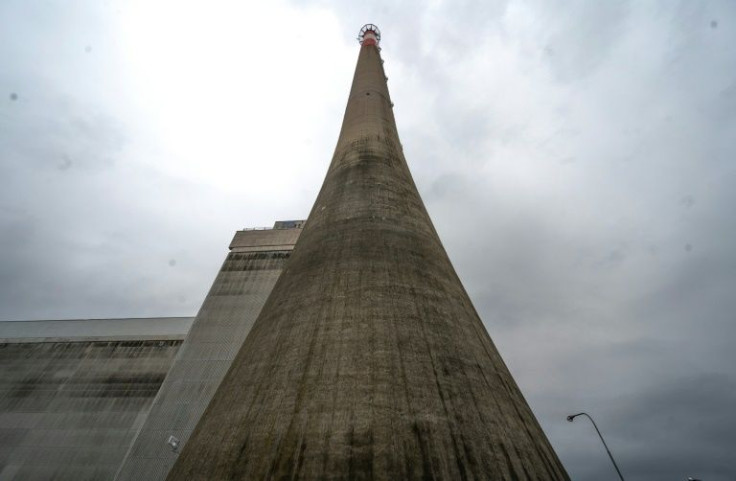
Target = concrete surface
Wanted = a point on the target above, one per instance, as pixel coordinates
(244, 282)
(368, 360)
(69, 410)
(79, 330)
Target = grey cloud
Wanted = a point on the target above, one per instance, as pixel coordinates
(73, 136)
(582, 35)
(689, 409)
(567, 170)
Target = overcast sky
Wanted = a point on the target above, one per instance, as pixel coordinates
(578, 159)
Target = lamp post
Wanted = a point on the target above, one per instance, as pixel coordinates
(573, 416)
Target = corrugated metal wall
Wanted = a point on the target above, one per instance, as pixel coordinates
(69, 410)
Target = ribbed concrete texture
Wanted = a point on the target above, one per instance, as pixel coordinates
(368, 360)
(69, 410)
(244, 282)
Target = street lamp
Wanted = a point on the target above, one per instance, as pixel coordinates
(573, 416)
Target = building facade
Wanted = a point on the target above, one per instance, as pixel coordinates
(73, 394)
(99, 400)
(245, 280)
(354, 353)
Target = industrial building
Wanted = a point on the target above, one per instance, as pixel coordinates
(105, 399)
(340, 347)
(368, 359)
(74, 393)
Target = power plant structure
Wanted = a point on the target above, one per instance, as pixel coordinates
(368, 360)
(342, 347)
(115, 399)
(251, 268)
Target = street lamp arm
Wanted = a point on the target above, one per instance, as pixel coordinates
(573, 416)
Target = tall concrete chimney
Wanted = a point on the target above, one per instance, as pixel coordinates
(368, 360)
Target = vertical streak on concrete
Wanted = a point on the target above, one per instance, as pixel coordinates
(69, 409)
(244, 282)
(368, 360)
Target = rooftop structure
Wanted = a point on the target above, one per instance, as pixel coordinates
(78, 330)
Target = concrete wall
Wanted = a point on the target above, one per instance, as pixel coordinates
(95, 399)
(265, 240)
(69, 410)
(241, 288)
(368, 361)
(76, 330)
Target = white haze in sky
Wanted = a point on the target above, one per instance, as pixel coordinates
(578, 159)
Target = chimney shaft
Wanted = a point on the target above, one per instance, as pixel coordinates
(368, 361)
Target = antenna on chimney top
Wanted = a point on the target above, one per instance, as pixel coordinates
(369, 35)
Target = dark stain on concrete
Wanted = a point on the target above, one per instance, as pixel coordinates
(368, 360)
